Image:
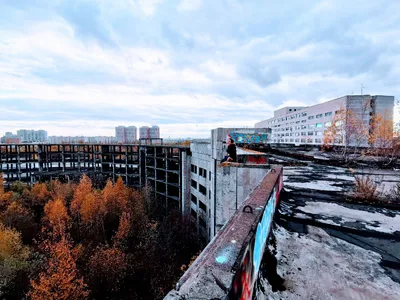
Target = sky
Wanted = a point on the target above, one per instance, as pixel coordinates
(83, 67)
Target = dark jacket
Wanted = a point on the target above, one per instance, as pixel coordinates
(231, 150)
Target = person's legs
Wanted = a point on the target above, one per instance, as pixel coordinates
(225, 159)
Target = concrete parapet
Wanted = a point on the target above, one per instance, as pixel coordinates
(228, 267)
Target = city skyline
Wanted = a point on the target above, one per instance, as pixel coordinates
(85, 67)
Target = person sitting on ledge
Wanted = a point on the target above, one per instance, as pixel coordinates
(231, 150)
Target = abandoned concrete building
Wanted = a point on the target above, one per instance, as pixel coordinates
(185, 178)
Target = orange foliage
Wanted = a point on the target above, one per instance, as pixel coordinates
(121, 195)
(60, 280)
(40, 194)
(186, 143)
(121, 237)
(382, 133)
(5, 198)
(347, 129)
(92, 208)
(57, 215)
(11, 247)
(92, 214)
(82, 191)
(62, 191)
(115, 197)
(108, 191)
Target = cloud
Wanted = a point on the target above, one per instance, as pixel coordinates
(189, 5)
(148, 6)
(85, 66)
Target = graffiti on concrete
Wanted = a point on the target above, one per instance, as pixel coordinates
(245, 277)
(249, 137)
(257, 159)
(225, 255)
(242, 287)
(262, 233)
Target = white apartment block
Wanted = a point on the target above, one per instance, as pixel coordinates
(306, 125)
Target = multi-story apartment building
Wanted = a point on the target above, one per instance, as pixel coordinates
(81, 139)
(126, 135)
(120, 135)
(306, 125)
(146, 132)
(154, 132)
(10, 138)
(131, 134)
(32, 136)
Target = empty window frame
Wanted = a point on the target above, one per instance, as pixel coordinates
(203, 189)
(193, 184)
(193, 198)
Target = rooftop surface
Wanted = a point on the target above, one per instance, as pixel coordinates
(329, 248)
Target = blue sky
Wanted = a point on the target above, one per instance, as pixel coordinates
(84, 67)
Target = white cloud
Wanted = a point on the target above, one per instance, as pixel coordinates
(238, 68)
(149, 6)
(189, 5)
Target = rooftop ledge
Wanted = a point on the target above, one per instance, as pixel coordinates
(224, 264)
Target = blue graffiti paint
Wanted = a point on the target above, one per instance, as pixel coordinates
(263, 229)
(249, 138)
(225, 254)
(221, 259)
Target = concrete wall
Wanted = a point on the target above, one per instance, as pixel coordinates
(234, 184)
(201, 210)
(228, 267)
(221, 183)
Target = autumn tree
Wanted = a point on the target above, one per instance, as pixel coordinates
(123, 234)
(107, 270)
(5, 197)
(92, 213)
(56, 215)
(65, 191)
(13, 263)
(115, 198)
(60, 279)
(120, 197)
(20, 218)
(384, 145)
(345, 135)
(40, 194)
(83, 190)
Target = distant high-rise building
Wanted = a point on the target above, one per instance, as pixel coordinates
(144, 132)
(149, 132)
(126, 134)
(131, 134)
(32, 136)
(120, 134)
(154, 132)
